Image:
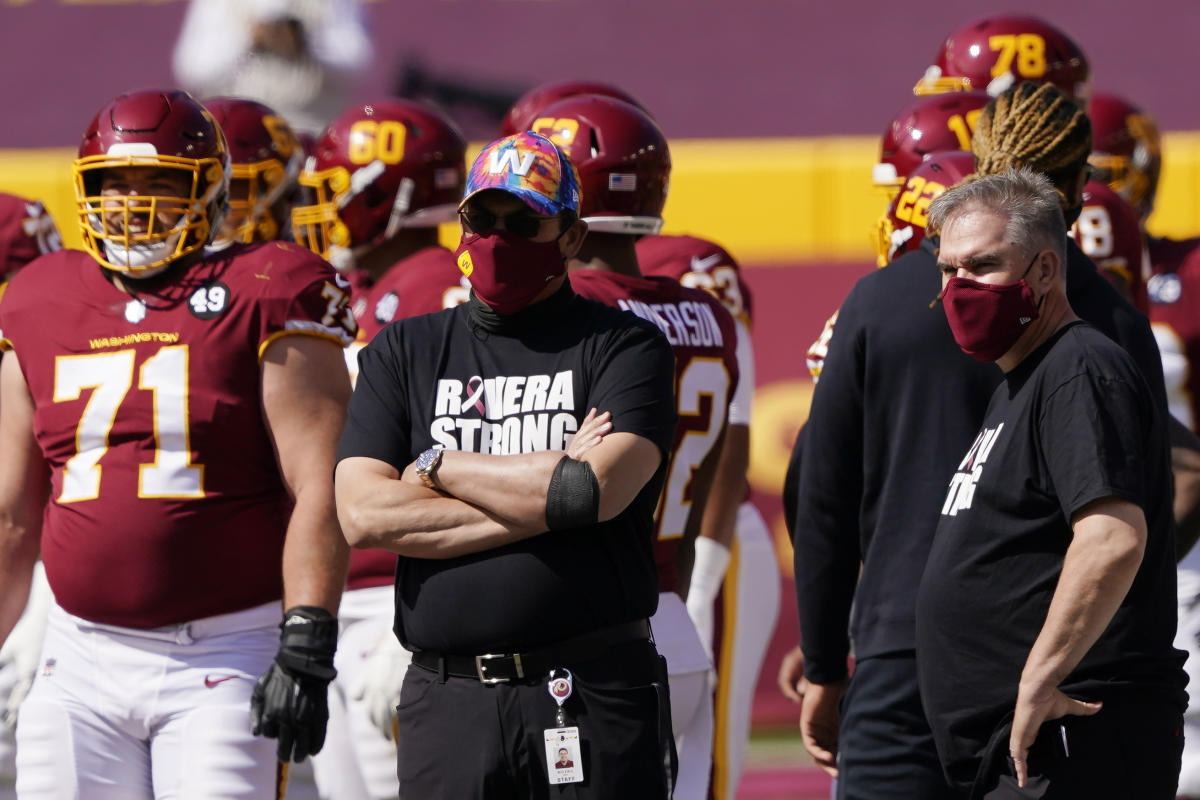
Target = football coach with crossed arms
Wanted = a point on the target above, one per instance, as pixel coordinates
(511, 451)
(1046, 612)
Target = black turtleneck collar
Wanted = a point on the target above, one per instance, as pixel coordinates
(534, 317)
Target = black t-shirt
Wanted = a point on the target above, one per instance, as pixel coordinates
(1075, 422)
(897, 405)
(470, 380)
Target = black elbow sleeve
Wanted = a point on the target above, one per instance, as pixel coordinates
(573, 499)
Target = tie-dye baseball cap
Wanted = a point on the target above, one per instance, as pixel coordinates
(529, 166)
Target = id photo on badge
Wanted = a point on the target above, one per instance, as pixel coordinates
(563, 760)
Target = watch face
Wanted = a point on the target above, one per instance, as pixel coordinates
(426, 459)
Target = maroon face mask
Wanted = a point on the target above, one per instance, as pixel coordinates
(987, 319)
(507, 271)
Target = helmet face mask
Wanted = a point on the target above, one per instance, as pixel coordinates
(1126, 150)
(376, 170)
(173, 143)
(267, 158)
(140, 233)
(315, 222)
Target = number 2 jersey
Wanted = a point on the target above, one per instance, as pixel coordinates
(166, 501)
(702, 335)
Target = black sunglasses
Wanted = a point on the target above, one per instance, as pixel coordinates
(523, 222)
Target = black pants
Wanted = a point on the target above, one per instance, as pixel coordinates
(462, 739)
(885, 746)
(1127, 751)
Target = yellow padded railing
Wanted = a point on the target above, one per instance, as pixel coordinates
(767, 200)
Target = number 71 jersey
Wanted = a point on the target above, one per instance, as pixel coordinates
(166, 500)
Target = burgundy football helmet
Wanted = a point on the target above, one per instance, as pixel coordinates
(902, 227)
(267, 158)
(930, 125)
(26, 231)
(529, 106)
(1126, 150)
(998, 52)
(623, 161)
(376, 169)
(167, 130)
(1110, 232)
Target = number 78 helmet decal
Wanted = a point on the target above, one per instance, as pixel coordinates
(995, 53)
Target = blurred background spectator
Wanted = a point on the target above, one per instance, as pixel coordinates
(302, 57)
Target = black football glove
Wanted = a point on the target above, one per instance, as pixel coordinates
(291, 701)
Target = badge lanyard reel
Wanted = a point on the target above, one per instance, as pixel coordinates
(564, 762)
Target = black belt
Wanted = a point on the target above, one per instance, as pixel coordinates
(504, 667)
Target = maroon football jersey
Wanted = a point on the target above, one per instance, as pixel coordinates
(166, 502)
(703, 336)
(700, 264)
(1110, 232)
(26, 232)
(1174, 295)
(427, 281)
(1168, 255)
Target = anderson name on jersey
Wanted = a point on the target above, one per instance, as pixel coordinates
(702, 335)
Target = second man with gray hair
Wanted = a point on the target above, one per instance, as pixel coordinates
(1046, 613)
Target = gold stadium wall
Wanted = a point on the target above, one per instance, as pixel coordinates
(769, 201)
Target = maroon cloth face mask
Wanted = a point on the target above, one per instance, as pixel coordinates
(507, 271)
(987, 319)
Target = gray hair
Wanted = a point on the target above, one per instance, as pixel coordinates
(1026, 198)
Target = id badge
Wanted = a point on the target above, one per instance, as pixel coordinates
(564, 762)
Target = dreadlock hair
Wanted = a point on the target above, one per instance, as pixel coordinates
(1037, 126)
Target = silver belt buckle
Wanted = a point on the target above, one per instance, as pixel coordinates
(479, 667)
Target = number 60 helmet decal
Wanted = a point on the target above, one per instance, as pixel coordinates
(378, 168)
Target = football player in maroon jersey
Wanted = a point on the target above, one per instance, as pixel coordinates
(1127, 156)
(170, 453)
(624, 167)
(266, 158)
(383, 175)
(1108, 231)
(26, 232)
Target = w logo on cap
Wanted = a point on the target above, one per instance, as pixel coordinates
(498, 160)
(529, 166)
